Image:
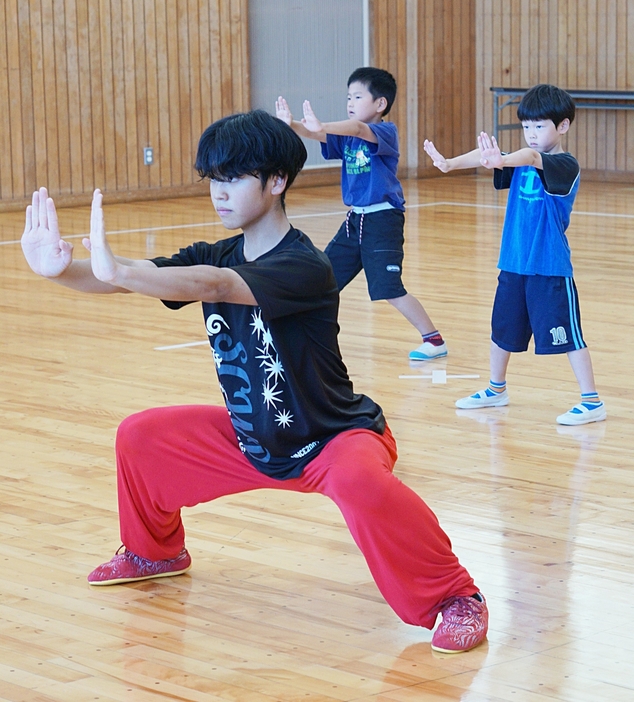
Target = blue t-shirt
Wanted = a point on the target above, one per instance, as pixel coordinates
(368, 171)
(537, 215)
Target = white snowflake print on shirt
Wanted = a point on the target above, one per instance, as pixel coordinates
(272, 386)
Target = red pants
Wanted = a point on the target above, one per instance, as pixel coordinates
(172, 457)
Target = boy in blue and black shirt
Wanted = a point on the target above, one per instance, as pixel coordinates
(536, 294)
(371, 238)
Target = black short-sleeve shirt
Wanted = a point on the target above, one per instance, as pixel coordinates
(279, 365)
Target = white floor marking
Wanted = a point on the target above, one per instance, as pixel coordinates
(438, 377)
(181, 346)
(442, 203)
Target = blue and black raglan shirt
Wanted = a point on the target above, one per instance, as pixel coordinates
(537, 215)
(280, 370)
(368, 171)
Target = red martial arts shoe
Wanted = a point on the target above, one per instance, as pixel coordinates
(127, 567)
(465, 621)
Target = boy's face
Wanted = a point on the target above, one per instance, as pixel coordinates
(242, 202)
(362, 106)
(543, 136)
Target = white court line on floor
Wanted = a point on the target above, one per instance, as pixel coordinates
(438, 377)
(181, 346)
(442, 203)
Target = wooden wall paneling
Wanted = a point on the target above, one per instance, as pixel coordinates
(84, 54)
(603, 118)
(94, 130)
(195, 113)
(164, 155)
(391, 48)
(94, 89)
(515, 139)
(393, 58)
(575, 44)
(429, 100)
(426, 100)
(74, 112)
(37, 169)
(6, 171)
(591, 78)
(151, 136)
(139, 107)
(84, 99)
(14, 131)
(628, 61)
(26, 97)
(184, 96)
(118, 71)
(466, 86)
(60, 120)
(226, 90)
(379, 49)
(450, 95)
(568, 69)
(51, 109)
(85, 86)
(543, 23)
(173, 104)
(206, 69)
(129, 90)
(213, 16)
(620, 69)
(579, 138)
(107, 99)
(484, 66)
(241, 27)
(411, 98)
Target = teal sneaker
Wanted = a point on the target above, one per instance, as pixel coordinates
(426, 351)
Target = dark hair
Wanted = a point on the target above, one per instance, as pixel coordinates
(379, 83)
(546, 101)
(250, 143)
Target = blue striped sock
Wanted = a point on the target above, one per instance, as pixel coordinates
(495, 388)
(590, 400)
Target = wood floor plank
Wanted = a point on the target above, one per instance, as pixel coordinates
(279, 605)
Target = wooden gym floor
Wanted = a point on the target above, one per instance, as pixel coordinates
(279, 605)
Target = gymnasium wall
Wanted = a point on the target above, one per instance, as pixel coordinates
(430, 47)
(576, 44)
(85, 85)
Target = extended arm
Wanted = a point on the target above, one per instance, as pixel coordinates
(204, 283)
(312, 128)
(346, 127)
(469, 160)
(51, 256)
(492, 157)
(283, 112)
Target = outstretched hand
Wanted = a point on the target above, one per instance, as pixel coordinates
(490, 154)
(438, 159)
(310, 120)
(102, 261)
(283, 111)
(45, 251)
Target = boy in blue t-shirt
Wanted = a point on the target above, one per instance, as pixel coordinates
(536, 294)
(371, 238)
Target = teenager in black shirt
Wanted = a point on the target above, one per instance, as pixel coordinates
(292, 420)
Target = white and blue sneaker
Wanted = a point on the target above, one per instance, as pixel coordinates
(583, 414)
(484, 398)
(426, 351)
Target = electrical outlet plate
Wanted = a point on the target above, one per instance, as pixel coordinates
(148, 155)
